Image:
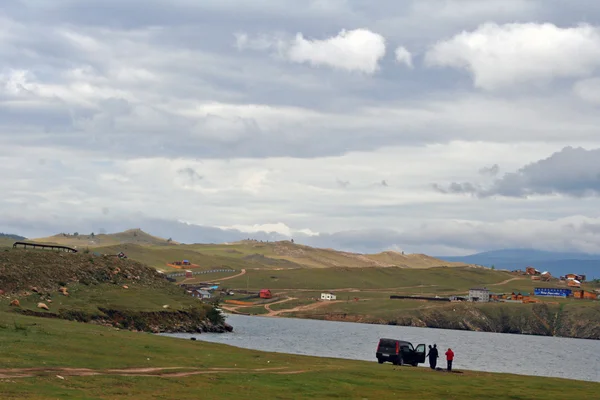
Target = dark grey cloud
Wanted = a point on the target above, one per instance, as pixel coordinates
(191, 174)
(490, 171)
(571, 172)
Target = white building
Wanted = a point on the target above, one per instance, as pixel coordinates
(201, 294)
(479, 294)
(328, 296)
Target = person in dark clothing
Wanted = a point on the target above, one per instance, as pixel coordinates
(429, 355)
(433, 356)
(450, 358)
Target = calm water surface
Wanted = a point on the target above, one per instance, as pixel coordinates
(481, 351)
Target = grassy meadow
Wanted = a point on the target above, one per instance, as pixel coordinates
(222, 372)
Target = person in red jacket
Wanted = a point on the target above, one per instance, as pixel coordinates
(449, 358)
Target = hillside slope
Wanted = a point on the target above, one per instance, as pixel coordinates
(102, 289)
(311, 257)
(131, 236)
(158, 252)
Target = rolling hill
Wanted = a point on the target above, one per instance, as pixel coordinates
(11, 236)
(131, 236)
(557, 263)
(157, 252)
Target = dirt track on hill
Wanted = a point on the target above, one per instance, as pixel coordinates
(61, 373)
(507, 281)
(229, 277)
(301, 308)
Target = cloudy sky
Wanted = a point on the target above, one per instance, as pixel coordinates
(438, 126)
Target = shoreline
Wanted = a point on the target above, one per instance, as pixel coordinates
(273, 345)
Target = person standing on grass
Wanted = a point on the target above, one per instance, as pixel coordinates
(429, 355)
(450, 358)
(433, 356)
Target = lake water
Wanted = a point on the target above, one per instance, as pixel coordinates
(480, 351)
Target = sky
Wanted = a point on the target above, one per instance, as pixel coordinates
(444, 127)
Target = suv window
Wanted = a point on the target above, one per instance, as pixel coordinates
(387, 343)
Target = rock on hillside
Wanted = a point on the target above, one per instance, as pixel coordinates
(47, 270)
(106, 290)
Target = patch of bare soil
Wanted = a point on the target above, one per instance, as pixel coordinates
(307, 307)
(13, 373)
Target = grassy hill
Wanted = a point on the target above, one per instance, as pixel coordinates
(101, 289)
(157, 252)
(321, 258)
(11, 236)
(131, 236)
(6, 242)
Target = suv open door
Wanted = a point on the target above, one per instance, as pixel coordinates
(420, 352)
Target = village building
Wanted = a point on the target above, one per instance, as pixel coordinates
(546, 276)
(577, 277)
(479, 295)
(328, 296)
(584, 294)
(265, 294)
(201, 294)
(532, 271)
(573, 283)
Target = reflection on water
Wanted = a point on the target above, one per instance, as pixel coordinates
(482, 351)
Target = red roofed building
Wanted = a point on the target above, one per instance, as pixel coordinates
(265, 294)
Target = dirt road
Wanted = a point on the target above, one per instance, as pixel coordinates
(168, 372)
(307, 307)
(229, 277)
(507, 281)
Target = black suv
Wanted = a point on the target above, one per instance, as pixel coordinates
(399, 352)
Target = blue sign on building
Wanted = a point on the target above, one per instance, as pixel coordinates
(552, 292)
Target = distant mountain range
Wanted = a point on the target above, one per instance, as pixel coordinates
(557, 263)
(11, 236)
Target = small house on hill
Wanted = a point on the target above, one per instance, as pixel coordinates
(201, 294)
(546, 276)
(265, 294)
(573, 283)
(584, 294)
(328, 296)
(577, 277)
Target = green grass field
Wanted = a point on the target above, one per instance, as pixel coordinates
(28, 342)
(433, 280)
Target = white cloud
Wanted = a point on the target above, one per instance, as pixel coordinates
(351, 50)
(278, 227)
(354, 50)
(403, 56)
(511, 54)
